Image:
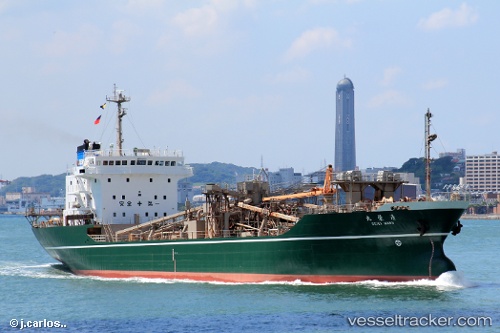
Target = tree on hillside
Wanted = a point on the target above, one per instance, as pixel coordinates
(442, 170)
(54, 185)
(217, 172)
(415, 166)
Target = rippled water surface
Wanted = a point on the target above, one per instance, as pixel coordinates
(37, 290)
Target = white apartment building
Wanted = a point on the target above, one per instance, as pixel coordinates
(482, 172)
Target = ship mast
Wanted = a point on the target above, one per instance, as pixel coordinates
(428, 139)
(119, 98)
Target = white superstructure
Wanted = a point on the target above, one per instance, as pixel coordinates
(117, 186)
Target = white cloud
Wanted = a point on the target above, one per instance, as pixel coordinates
(174, 89)
(314, 39)
(291, 76)
(197, 21)
(206, 19)
(449, 18)
(435, 84)
(390, 75)
(389, 98)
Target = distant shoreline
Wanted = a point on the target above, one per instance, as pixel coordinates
(481, 216)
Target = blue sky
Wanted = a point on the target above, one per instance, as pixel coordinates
(246, 81)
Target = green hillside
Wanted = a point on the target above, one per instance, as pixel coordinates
(219, 173)
(55, 185)
(442, 171)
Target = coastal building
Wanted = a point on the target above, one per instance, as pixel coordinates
(458, 158)
(184, 191)
(345, 144)
(482, 172)
(4, 183)
(284, 178)
(18, 202)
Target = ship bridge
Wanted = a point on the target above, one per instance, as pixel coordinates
(109, 161)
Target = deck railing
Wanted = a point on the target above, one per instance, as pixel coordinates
(135, 152)
(99, 238)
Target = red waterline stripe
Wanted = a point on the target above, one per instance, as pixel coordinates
(246, 277)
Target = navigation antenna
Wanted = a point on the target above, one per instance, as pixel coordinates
(428, 139)
(119, 98)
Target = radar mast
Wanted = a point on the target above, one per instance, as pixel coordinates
(428, 139)
(119, 98)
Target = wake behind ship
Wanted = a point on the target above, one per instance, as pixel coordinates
(120, 220)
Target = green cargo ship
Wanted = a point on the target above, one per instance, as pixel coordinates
(120, 221)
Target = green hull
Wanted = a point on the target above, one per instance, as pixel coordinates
(386, 245)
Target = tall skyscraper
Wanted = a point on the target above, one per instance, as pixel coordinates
(345, 144)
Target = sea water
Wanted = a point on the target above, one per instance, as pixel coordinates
(38, 295)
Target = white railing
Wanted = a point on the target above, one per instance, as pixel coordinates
(98, 238)
(139, 152)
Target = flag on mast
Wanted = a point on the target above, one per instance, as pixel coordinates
(97, 121)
